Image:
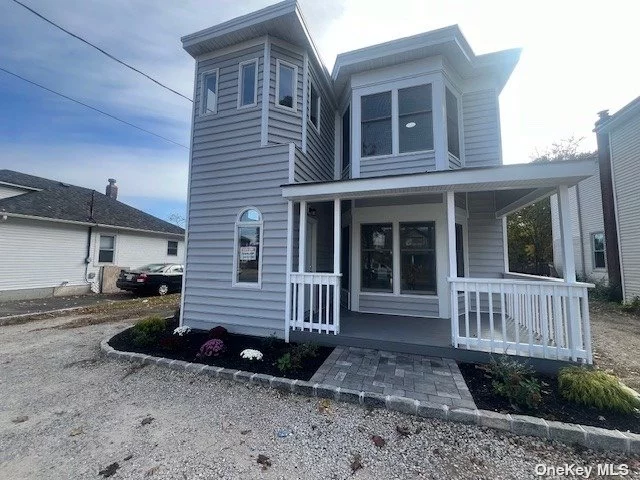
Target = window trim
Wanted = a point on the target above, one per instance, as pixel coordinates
(241, 65)
(593, 251)
(203, 81)
(294, 100)
(313, 86)
(260, 224)
(458, 98)
(113, 261)
(177, 247)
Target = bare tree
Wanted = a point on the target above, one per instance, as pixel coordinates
(177, 219)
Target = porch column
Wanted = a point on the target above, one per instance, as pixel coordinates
(302, 245)
(453, 265)
(337, 230)
(289, 266)
(569, 268)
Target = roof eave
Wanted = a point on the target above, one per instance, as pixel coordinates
(629, 110)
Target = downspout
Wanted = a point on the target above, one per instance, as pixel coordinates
(608, 210)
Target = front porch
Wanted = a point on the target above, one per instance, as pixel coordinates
(471, 312)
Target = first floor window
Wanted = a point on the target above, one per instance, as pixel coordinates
(375, 111)
(107, 248)
(459, 251)
(597, 245)
(248, 241)
(210, 92)
(377, 257)
(418, 258)
(172, 248)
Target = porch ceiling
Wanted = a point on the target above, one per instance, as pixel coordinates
(534, 180)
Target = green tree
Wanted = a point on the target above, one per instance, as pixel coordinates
(529, 229)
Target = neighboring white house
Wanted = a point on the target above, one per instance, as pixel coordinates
(587, 232)
(367, 207)
(55, 237)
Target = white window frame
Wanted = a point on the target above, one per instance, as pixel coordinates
(294, 100)
(240, 86)
(237, 225)
(177, 248)
(115, 243)
(593, 251)
(314, 87)
(456, 93)
(203, 86)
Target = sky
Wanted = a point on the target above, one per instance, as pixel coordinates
(579, 57)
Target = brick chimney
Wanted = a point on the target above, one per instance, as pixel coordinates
(112, 189)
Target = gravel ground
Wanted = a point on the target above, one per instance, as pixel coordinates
(85, 412)
(21, 307)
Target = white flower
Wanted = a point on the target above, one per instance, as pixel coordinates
(183, 330)
(250, 354)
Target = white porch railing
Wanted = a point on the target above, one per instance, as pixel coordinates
(531, 318)
(315, 302)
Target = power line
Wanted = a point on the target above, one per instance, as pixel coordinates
(92, 108)
(101, 50)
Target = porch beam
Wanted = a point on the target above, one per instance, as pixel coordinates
(528, 199)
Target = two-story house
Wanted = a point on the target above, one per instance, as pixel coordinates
(365, 207)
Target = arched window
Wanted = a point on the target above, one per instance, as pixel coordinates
(247, 262)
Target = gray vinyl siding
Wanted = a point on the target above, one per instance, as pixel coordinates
(221, 186)
(401, 305)
(481, 127)
(625, 158)
(230, 130)
(393, 165)
(454, 162)
(320, 145)
(285, 126)
(486, 245)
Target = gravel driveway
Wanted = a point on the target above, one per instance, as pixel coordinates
(68, 412)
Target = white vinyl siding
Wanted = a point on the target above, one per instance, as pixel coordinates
(481, 128)
(625, 158)
(134, 249)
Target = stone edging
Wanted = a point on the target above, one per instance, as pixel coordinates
(569, 433)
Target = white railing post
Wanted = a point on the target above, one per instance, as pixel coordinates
(289, 263)
(337, 230)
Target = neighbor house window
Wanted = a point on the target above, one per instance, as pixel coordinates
(375, 112)
(314, 111)
(597, 245)
(453, 135)
(107, 249)
(377, 258)
(415, 118)
(248, 242)
(210, 92)
(418, 258)
(172, 248)
(286, 78)
(459, 251)
(346, 139)
(247, 84)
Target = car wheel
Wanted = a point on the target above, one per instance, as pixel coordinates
(163, 289)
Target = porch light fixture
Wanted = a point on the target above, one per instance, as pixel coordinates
(410, 124)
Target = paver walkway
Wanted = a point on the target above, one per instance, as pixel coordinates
(432, 379)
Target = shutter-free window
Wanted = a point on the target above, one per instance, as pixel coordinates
(107, 249)
(210, 93)
(415, 118)
(172, 248)
(375, 112)
(247, 87)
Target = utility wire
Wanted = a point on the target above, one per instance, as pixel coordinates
(92, 108)
(101, 50)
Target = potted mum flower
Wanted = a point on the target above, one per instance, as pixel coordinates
(212, 348)
(250, 354)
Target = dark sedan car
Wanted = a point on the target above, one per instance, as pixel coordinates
(155, 278)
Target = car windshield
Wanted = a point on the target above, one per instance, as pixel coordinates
(152, 267)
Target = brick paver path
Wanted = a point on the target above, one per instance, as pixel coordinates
(432, 379)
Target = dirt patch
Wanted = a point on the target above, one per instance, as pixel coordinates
(616, 336)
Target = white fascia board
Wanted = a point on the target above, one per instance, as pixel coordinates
(22, 187)
(471, 179)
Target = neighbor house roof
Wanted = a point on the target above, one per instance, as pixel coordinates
(59, 201)
(620, 117)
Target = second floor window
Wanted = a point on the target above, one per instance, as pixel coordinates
(286, 85)
(453, 135)
(314, 110)
(210, 92)
(346, 140)
(415, 118)
(376, 124)
(247, 84)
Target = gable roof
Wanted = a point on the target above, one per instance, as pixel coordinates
(54, 200)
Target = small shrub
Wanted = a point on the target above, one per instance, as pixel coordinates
(284, 363)
(148, 331)
(212, 348)
(596, 388)
(270, 343)
(515, 381)
(171, 343)
(305, 350)
(218, 332)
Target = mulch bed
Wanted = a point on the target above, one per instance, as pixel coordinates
(553, 406)
(186, 348)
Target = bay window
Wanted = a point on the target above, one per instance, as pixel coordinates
(415, 118)
(375, 113)
(418, 258)
(453, 133)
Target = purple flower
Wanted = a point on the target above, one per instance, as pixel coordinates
(211, 348)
